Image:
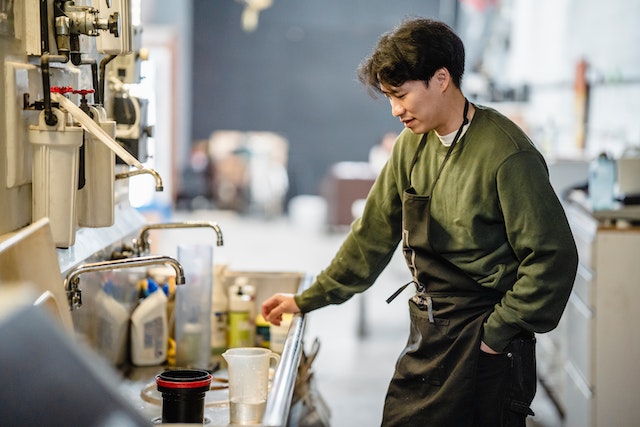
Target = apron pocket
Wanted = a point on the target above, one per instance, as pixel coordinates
(420, 362)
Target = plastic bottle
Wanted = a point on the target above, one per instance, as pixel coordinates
(278, 334)
(112, 324)
(149, 330)
(219, 313)
(602, 178)
(241, 314)
(263, 336)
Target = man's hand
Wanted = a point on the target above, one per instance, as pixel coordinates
(275, 306)
(485, 348)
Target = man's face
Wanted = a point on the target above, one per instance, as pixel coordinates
(415, 104)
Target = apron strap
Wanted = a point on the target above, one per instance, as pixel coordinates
(429, 306)
(465, 120)
(398, 292)
(423, 141)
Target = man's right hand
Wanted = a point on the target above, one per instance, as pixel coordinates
(275, 306)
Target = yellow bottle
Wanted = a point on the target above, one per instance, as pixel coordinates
(262, 332)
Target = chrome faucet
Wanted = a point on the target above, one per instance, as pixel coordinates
(142, 243)
(134, 172)
(72, 279)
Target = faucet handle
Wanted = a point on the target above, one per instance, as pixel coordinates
(75, 298)
(126, 251)
(140, 246)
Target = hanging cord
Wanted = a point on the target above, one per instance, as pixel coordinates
(465, 121)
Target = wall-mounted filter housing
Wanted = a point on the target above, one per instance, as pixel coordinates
(96, 198)
(55, 175)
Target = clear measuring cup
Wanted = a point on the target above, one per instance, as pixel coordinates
(248, 382)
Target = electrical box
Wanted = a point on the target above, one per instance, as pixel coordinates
(109, 43)
(126, 68)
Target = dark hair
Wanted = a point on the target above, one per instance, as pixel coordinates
(414, 50)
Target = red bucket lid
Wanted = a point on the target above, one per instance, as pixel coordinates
(184, 378)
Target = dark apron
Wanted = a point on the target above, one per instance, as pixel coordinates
(434, 381)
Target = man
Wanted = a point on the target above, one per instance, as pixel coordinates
(486, 240)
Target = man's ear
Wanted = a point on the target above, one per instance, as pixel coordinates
(442, 78)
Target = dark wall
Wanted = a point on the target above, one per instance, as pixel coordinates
(296, 75)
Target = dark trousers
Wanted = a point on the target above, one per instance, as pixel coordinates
(506, 385)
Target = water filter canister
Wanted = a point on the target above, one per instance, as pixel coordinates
(96, 200)
(55, 176)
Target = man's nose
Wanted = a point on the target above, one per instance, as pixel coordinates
(396, 108)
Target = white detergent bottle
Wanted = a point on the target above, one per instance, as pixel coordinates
(111, 328)
(149, 330)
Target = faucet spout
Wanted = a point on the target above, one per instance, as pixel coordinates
(142, 243)
(134, 172)
(72, 279)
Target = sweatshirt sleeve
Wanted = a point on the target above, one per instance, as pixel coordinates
(365, 252)
(540, 237)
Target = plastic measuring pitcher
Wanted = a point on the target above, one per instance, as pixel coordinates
(248, 382)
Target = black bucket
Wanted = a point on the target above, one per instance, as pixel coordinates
(183, 392)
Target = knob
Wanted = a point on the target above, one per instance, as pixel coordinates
(114, 24)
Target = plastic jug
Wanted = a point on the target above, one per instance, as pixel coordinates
(150, 330)
(248, 382)
(602, 179)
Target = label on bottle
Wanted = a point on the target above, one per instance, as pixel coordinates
(152, 337)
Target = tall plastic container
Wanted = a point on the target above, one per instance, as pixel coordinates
(193, 307)
(602, 180)
(55, 176)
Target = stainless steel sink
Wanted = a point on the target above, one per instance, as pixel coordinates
(138, 383)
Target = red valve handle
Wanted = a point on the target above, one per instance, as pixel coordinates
(61, 89)
(83, 92)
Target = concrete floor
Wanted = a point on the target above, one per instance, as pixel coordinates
(356, 358)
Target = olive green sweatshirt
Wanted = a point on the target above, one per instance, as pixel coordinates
(494, 215)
